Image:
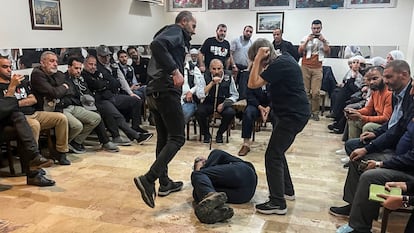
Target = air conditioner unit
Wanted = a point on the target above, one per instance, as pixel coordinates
(156, 2)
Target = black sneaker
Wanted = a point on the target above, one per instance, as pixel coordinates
(342, 211)
(218, 214)
(147, 190)
(207, 138)
(77, 148)
(60, 157)
(39, 161)
(39, 180)
(270, 208)
(141, 130)
(219, 139)
(170, 188)
(204, 209)
(144, 137)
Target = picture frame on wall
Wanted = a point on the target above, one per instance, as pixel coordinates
(188, 5)
(370, 3)
(334, 4)
(45, 14)
(270, 4)
(228, 4)
(266, 22)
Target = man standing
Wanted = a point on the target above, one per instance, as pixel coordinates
(239, 48)
(216, 47)
(291, 110)
(284, 46)
(313, 48)
(165, 70)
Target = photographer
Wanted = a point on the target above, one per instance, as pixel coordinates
(313, 47)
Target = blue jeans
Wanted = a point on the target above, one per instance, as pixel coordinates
(166, 109)
(189, 110)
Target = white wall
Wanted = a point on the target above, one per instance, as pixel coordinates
(123, 22)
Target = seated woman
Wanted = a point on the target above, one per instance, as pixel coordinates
(219, 179)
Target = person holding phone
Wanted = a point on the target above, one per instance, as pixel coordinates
(313, 48)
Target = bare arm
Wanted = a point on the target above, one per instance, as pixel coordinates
(255, 80)
(29, 101)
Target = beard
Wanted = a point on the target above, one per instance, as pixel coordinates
(246, 37)
(377, 87)
(5, 77)
(134, 57)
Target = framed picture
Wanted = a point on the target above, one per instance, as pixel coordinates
(270, 4)
(266, 22)
(370, 3)
(45, 14)
(228, 4)
(189, 5)
(318, 3)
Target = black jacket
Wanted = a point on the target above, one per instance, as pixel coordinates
(168, 49)
(287, 47)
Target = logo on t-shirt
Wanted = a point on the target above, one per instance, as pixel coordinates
(219, 51)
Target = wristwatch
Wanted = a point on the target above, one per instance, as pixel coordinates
(377, 164)
(405, 201)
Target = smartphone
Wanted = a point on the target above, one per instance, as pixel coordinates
(316, 36)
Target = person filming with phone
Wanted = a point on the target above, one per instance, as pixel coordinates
(313, 48)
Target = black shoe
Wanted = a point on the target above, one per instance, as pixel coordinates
(141, 130)
(77, 148)
(147, 190)
(60, 157)
(332, 126)
(270, 208)
(144, 137)
(337, 131)
(342, 211)
(39, 161)
(204, 209)
(39, 180)
(170, 188)
(207, 138)
(218, 214)
(219, 139)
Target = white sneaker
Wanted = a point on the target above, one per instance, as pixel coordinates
(345, 160)
(340, 152)
(290, 197)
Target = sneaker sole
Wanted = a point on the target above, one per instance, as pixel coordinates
(338, 215)
(211, 202)
(145, 140)
(166, 193)
(123, 143)
(274, 211)
(290, 198)
(148, 200)
(73, 150)
(215, 215)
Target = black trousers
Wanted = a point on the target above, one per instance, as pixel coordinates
(277, 171)
(27, 145)
(166, 110)
(204, 110)
(225, 173)
(130, 107)
(114, 120)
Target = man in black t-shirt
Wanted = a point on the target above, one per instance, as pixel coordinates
(291, 111)
(216, 48)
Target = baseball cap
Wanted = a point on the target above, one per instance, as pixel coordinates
(103, 50)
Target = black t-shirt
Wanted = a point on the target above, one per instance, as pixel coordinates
(141, 70)
(22, 92)
(212, 49)
(286, 87)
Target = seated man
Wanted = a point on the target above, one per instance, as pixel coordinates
(54, 93)
(129, 105)
(192, 90)
(221, 93)
(10, 115)
(388, 136)
(377, 111)
(219, 179)
(80, 91)
(105, 102)
(258, 105)
(127, 77)
(38, 120)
